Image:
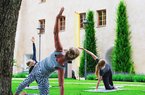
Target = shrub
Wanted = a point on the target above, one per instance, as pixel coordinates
(20, 75)
(54, 75)
(139, 78)
(25, 74)
(129, 77)
(118, 77)
(90, 44)
(122, 51)
(122, 77)
(91, 77)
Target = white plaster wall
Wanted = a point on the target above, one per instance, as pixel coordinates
(32, 10)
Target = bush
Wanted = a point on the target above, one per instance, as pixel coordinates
(91, 77)
(118, 77)
(20, 75)
(54, 75)
(139, 78)
(122, 51)
(129, 77)
(122, 77)
(90, 44)
(25, 74)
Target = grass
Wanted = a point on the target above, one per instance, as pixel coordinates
(77, 87)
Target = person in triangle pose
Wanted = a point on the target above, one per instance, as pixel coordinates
(55, 61)
(32, 62)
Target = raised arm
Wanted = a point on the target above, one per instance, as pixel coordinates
(34, 50)
(58, 45)
(61, 80)
(90, 53)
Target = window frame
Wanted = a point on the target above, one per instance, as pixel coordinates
(41, 25)
(43, 1)
(102, 15)
(82, 18)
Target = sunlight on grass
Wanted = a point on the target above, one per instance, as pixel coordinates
(77, 87)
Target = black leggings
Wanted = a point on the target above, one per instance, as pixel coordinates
(31, 68)
(107, 80)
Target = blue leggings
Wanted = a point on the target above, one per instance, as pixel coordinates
(43, 83)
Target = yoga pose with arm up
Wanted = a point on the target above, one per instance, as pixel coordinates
(55, 61)
(31, 63)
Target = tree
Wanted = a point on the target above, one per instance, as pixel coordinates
(122, 59)
(89, 44)
(9, 10)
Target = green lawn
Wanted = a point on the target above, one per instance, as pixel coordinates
(77, 87)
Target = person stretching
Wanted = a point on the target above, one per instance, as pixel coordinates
(103, 71)
(32, 62)
(55, 61)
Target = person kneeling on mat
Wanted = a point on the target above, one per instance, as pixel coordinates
(103, 71)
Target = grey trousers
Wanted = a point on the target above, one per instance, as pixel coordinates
(42, 79)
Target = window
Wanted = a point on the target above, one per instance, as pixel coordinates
(42, 26)
(43, 1)
(101, 17)
(62, 23)
(82, 18)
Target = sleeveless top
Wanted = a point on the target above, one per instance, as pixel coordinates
(104, 70)
(49, 64)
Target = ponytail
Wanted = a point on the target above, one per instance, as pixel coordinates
(100, 64)
(97, 70)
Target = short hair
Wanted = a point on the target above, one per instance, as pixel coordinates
(28, 62)
(72, 53)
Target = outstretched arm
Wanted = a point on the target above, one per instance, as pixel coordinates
(61, 80)
(58, 45)
(99, 80)
(90, 53)
(34, 49)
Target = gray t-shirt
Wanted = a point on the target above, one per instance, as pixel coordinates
(104, 70)
(49, 64)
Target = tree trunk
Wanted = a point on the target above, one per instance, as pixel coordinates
(9, 10)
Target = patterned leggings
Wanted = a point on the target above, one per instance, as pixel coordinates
(42, 80)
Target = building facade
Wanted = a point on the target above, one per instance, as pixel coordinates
(36, 14)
